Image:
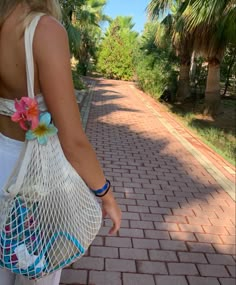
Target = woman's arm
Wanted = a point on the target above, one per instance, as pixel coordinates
(52, 57)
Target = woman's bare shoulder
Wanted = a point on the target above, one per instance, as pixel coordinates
(50, 37)
(49, 29)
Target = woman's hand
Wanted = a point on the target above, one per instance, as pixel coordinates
(111, 209)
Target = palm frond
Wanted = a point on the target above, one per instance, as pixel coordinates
(157, 8)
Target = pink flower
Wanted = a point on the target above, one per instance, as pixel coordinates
(27, 113)
(32, 111)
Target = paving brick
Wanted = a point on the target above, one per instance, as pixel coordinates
(151, 217)
(182, 269)
(166, 192)
(120, 265)
(193, 280)
(130, 216)
(200, 247)
(206, 207)
(228, 239)
(133, 253)
(104, 251)
(216, 230)
(134, 196)
(159, 198)
(182, 236)
(151, 267)
(88, 262)
(199, 221)
(163, 255)
(118, 195)
(108, 223)
(191, 228)
(131, 184)
(192, 257)
(173, 245)
(126, 201)
(148, 203)
(158, 210)
(225, 249)
(104, 278)
(142, 225)
(183, 212)
(227, 281)
(166, 226)
(104, 231)
(131, 233)
(118, 242)
(171, 280)
(213, 270)
(221, 259)
(144, 191)
(70, 276)
(155, 234)
(137, 279)
(193, 205)
(183, 194)
(231, 230)
(123, 189)
(168, 204)
(204, 214)
(176, 199)
(98, 241)
(209, 238)
(175, 219)
(221, 222)
(146, 243)
(232, 270)
(138, 209)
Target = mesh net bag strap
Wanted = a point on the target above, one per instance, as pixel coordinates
(48, 216)
(29, 37)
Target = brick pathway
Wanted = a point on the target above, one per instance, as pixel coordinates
(178, 223)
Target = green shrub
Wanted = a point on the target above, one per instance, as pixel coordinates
(155, 65)
(115, 57)
(78, 83)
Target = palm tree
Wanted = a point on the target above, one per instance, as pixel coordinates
(181, 39)
(81, 19)
(213, 24)
(88, 20)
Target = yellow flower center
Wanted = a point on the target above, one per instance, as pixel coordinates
(40, 130)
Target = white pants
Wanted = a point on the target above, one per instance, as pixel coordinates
(9, 153)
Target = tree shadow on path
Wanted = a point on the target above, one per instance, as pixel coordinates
(178, 223)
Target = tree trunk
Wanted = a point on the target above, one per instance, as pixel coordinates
(193, 67)
(212, 92)
(228, 75)
(183, 84)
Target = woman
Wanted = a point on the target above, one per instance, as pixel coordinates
(53, 80)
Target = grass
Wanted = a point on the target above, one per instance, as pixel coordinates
(221, 140)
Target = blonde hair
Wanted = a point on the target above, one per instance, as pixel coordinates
(50, 7)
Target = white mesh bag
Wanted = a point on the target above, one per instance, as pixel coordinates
(48, 215)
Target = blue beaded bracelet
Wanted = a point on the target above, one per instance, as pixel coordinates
(103, 191)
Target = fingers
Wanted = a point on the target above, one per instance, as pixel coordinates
(114, 213)
(114, 229)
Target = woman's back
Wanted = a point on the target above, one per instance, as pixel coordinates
(13, 81)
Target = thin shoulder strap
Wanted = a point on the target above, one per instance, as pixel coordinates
(29, 37)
